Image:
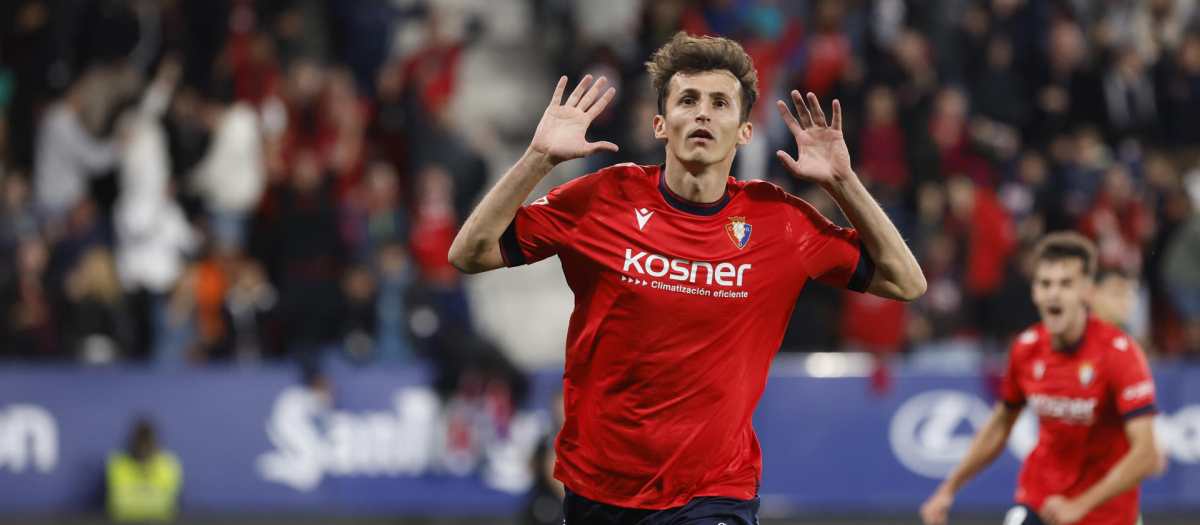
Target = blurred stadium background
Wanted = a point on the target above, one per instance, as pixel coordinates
(228, 220)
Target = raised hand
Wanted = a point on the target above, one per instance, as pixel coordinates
(560, 134)
(823, 156)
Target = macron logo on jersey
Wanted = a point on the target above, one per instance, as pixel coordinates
(656, 265)
(642, 216)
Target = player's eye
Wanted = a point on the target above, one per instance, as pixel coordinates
(687, 101)
(721, 103)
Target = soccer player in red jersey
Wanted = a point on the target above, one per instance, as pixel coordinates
(684, 279)
(1091, 389)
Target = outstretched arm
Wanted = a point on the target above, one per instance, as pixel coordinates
(824, 159)
(988, 444)
(559, 137)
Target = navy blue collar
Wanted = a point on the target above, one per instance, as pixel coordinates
(686, 206)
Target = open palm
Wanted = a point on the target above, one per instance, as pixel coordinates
(822, 149)
(560, 134)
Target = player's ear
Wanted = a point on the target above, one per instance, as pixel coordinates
(660, 127)
(745, 133)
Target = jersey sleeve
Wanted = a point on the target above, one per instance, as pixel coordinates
(1132, 384)
(830, 254)
(543, 228)
(1010, 388)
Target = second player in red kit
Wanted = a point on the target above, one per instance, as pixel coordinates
(684, 280)
(1090, 387)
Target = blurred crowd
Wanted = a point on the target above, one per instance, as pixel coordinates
(185, 181)
(193, 181)
(979, 125)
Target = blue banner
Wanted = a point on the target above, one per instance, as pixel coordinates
(256, 441)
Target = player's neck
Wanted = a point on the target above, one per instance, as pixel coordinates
(699, 183)
(1071, 337)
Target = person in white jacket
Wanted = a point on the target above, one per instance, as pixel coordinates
(153, 235)
(67, 156)
(232, 175)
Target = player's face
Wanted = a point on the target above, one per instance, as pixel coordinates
(1061, 291)
(703, 123)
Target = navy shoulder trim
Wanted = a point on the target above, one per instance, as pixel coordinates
(1146, 410)
(510, 249)
(863, 272)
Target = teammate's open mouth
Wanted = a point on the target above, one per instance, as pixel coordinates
(1054, 310)
(701, 135)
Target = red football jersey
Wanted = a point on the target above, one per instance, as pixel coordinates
(679, 309)
(1082, 397)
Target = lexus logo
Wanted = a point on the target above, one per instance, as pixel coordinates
(928, 435)
(931, 432)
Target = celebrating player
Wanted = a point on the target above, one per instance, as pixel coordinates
(684, 280)
(1091, 389)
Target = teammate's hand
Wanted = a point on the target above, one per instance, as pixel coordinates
(935, 509)
(1058, 510)
(823, 156)
(560, 134)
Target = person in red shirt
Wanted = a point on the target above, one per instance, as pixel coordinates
(1090, 387)
(684, 280)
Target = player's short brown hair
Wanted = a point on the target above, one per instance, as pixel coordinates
(1067, 245)
(688, 54)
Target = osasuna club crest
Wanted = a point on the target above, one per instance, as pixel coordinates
(1086, 373)
(739, 231)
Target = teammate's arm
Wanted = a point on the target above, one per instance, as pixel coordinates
(824, 159)
(559, 137)
(987, 445)
(1139, 462)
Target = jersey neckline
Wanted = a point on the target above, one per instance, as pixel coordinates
(1072, 348)
(686, 206)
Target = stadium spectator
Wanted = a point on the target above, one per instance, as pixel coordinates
(1129, 96)
(1177, 87)
(97, 326)
(1117, 222)
(1115, 296)
(359, 321)
(1065, 90)
(884, 160)
(1181, 275)
(304, 256)
(544, 506)
(18, 221)
(30, 325)
(230, 178)
(68, 156)
(249, 301)
(393, 344)
(374, 214)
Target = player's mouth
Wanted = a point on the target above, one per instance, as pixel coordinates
(1054, 311)
(702, 135)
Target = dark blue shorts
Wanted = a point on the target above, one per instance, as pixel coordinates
(707, 510)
